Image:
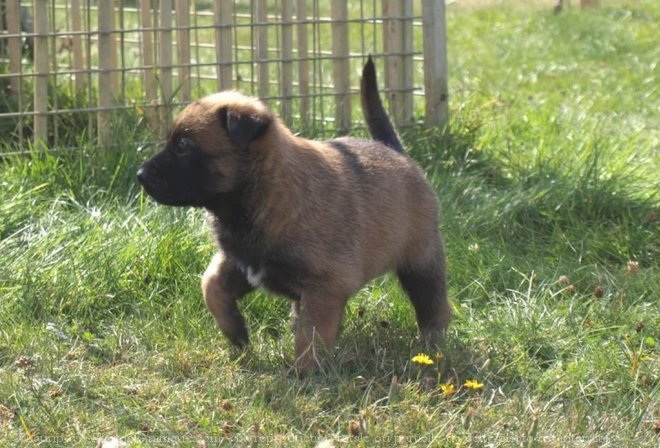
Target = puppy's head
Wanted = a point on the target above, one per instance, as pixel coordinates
(208, 150)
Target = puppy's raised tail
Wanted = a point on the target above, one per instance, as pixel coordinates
(379, 124)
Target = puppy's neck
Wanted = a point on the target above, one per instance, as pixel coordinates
(274, 179)
(280, 177)
(276, 152)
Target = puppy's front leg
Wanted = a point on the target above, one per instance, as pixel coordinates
(316, 329)
(223, 283)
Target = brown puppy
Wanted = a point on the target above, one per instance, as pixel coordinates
(309, 220)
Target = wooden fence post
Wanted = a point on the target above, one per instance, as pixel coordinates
(341, 66)
(114, 74)
(15, 60)
(147, 50)
(393, 47)
(147, 44)
(407, 61)
(14, 46)
(105, 12)
(435, 63)
(41, 70)
(223, 43)
(286, 88)
(261, 17)
(165, 60)
(183, 47)
(303, 62)
(78, 60)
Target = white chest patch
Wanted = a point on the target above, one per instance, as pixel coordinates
(254, 278)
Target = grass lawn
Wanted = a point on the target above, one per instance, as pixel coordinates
(549, 186)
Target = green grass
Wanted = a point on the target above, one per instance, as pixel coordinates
(551, 170)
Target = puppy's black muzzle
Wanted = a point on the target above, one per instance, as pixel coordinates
(149, 181)
(142, 175)
(154, 185)
(170, 182)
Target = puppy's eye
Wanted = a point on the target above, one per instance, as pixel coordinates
(184, 146)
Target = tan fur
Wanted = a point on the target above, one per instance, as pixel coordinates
(302, 170)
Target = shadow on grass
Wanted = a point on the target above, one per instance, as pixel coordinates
(375, 345)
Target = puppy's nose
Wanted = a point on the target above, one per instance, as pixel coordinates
(141, 175)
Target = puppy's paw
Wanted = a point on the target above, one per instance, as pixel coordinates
(238, 337)
(433, 337)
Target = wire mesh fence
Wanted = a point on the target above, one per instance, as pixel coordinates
(68, 66)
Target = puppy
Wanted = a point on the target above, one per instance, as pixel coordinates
(312, 221)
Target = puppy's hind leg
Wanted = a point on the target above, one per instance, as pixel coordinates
(316, 329)
(223, 284)
(426, 286)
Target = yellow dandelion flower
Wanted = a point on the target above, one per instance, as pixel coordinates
(447, 389)
(422, 359)
(473, 384)
(439, 356)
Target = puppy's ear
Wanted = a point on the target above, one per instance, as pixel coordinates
(243, 127)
